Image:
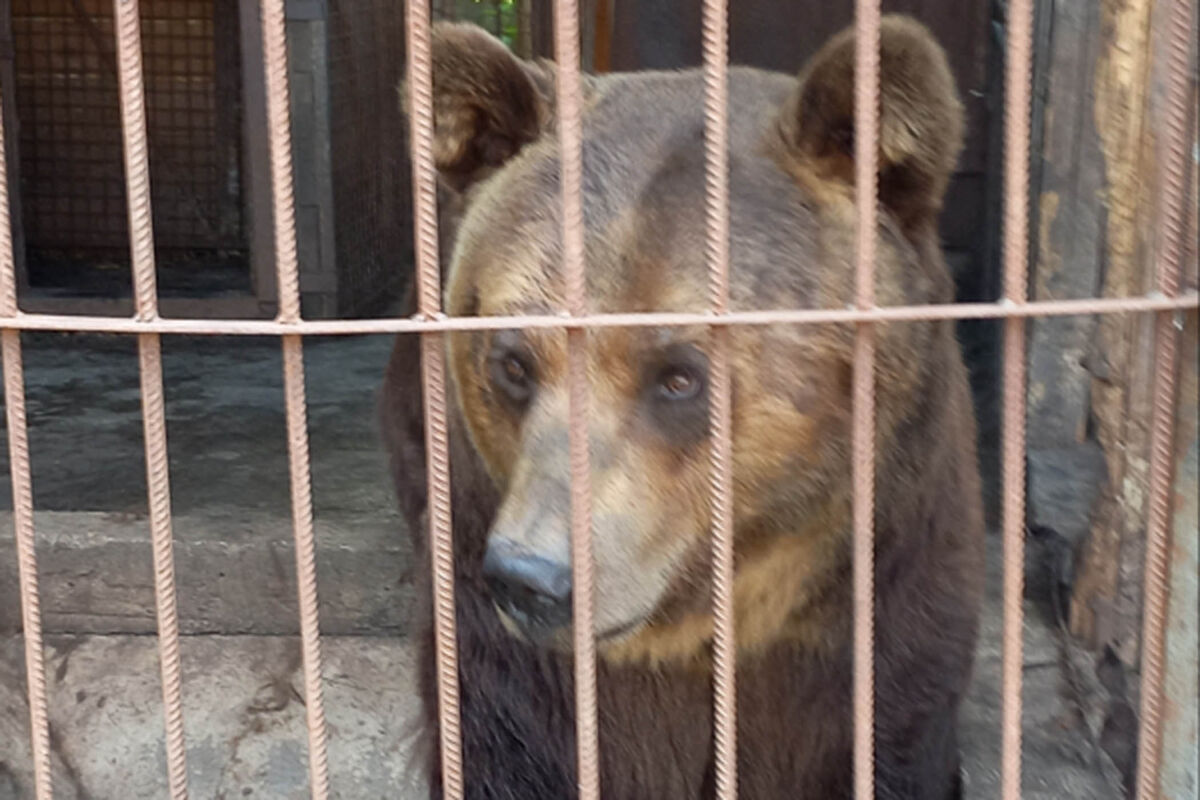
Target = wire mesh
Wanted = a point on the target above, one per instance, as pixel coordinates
(71, 132)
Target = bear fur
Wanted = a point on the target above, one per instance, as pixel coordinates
(792, 246)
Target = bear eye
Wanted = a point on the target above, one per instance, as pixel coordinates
(679, 383)
(512, 375)
(514, 370)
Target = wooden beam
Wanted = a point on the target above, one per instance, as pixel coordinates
(1129, 69)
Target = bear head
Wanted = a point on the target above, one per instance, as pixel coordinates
(792, 245)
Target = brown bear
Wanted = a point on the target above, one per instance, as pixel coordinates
(792, 246)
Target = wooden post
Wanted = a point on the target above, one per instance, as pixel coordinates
(256, 172)
(1096, 209)
(602, 37)
(524, 43)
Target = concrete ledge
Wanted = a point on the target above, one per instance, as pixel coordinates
(236, 574)
(243, 718)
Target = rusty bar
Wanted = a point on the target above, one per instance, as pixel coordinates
(141, 247)
(433, 387)
(31, 616)
(279, 144)
(306, 563)
(1179, 767)
(1018, 71)
(159, 498)
(440, 324)
(866, 149)
(22, 498)
(127, 26)
(570, 128)
(284, 219)
(1175, 167)
(716, 197)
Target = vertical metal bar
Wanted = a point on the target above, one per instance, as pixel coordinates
(31, 617)
(1179, 752)
(280, 144)
(159, 488)
(866, 148)
(433, 385)
(1176, 148)
(22, 497)
(141, 245)
(306, 563)
(1017, 79)
(716, 128)
(137, 174)
(570, 122)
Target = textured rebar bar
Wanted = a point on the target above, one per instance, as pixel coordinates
(22, 499)
(158, 484)
(433, 387)
(127, 27)
(1176, 148)
(279, 141)
(141, 248)
(716, 204)
(306, 563)
(570, 130)
(866, 150)
(279, 145)
(1017, 79)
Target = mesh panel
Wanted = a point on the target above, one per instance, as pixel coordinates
(71, 156)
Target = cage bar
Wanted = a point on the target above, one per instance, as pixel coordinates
(433, 388)
(22, 497)
(1172, 226)
(866, 154)
(570, 129)
(141, 245)
(284, 220)
(1018, 72)
(716, 205)
(1186, 301)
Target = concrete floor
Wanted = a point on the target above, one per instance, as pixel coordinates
(225, 421)
(243, 712)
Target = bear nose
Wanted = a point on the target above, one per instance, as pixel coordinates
(533, 590)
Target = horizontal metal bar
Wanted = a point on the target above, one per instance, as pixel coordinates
(252, 327)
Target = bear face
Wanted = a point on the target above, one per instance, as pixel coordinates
(792, 246)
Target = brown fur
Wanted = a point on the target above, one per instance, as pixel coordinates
(791, 175)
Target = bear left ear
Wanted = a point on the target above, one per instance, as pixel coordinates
(487, 103)
(920, 118)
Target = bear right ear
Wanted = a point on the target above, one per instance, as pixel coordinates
(487, 103)
(920, 118)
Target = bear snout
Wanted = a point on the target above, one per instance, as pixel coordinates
(532, 590)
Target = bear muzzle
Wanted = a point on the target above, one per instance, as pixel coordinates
(532, 590)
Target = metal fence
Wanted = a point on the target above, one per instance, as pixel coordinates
(432, 326)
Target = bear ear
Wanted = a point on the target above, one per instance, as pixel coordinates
(487, 103)
(920, 118)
